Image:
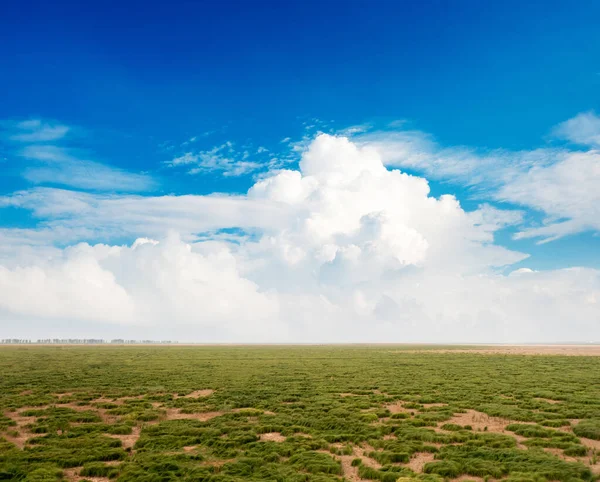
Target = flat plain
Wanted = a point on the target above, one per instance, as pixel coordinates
(299, 413)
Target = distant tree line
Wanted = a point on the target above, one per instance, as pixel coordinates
(81, 341)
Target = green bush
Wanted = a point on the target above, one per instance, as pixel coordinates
(588, 429)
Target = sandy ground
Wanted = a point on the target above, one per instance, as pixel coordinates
(272, 437)
(565, 350)
(418, 461)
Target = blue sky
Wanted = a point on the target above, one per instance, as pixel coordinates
(149, 102)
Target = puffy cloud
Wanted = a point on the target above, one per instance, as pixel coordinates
(562, 184)
(342, 249)
(147, 284)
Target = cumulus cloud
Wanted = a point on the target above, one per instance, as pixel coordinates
(342, 249)
(560, 183)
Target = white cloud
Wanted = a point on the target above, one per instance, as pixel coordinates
(144, 285)
(70, 216)
(340, 250)
(582, 129)
(34, 130)
(37, 145)
(223, 158)
(59, 166)
(568, 192)
(562, 184)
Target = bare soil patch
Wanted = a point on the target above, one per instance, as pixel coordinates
(464, 478)
(560, 454)
(129, 440)
(549, 400)
(272, 437)
(418, 461)
(63, 394)
(22, 422)
(72, 475)
(197, 394)
(175, 414)
(398, 407)
(360, 452)
(102, 413)
(590, 443)
(565, 350)
(351, 473)
(479, 421)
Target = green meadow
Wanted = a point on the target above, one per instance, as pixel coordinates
(291, 413)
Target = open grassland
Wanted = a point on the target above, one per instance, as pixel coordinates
(281, 413)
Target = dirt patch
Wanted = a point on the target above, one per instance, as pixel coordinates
(479, 421)
(189, 448)
(361, 452)
(129, 440)
(397, 407)
(197, 394)
(63, 394)
(548, 400)
(430, 405)
(175, 414)
(418, 461)
(102, 413)
(272, 437)
(24, 435)
(72, 475)
(464, 478)
(216, 463)
(560, 454)
(349, 472)
(590, 443)
(520, 439)
(564, 350)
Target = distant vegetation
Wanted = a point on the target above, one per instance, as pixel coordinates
(81, 341)
(295, 414)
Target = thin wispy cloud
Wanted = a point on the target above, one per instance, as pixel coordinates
(582, 129)
(35, 130)
(45, 158)
(224, 159)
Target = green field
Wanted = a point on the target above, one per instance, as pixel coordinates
(295, 414)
